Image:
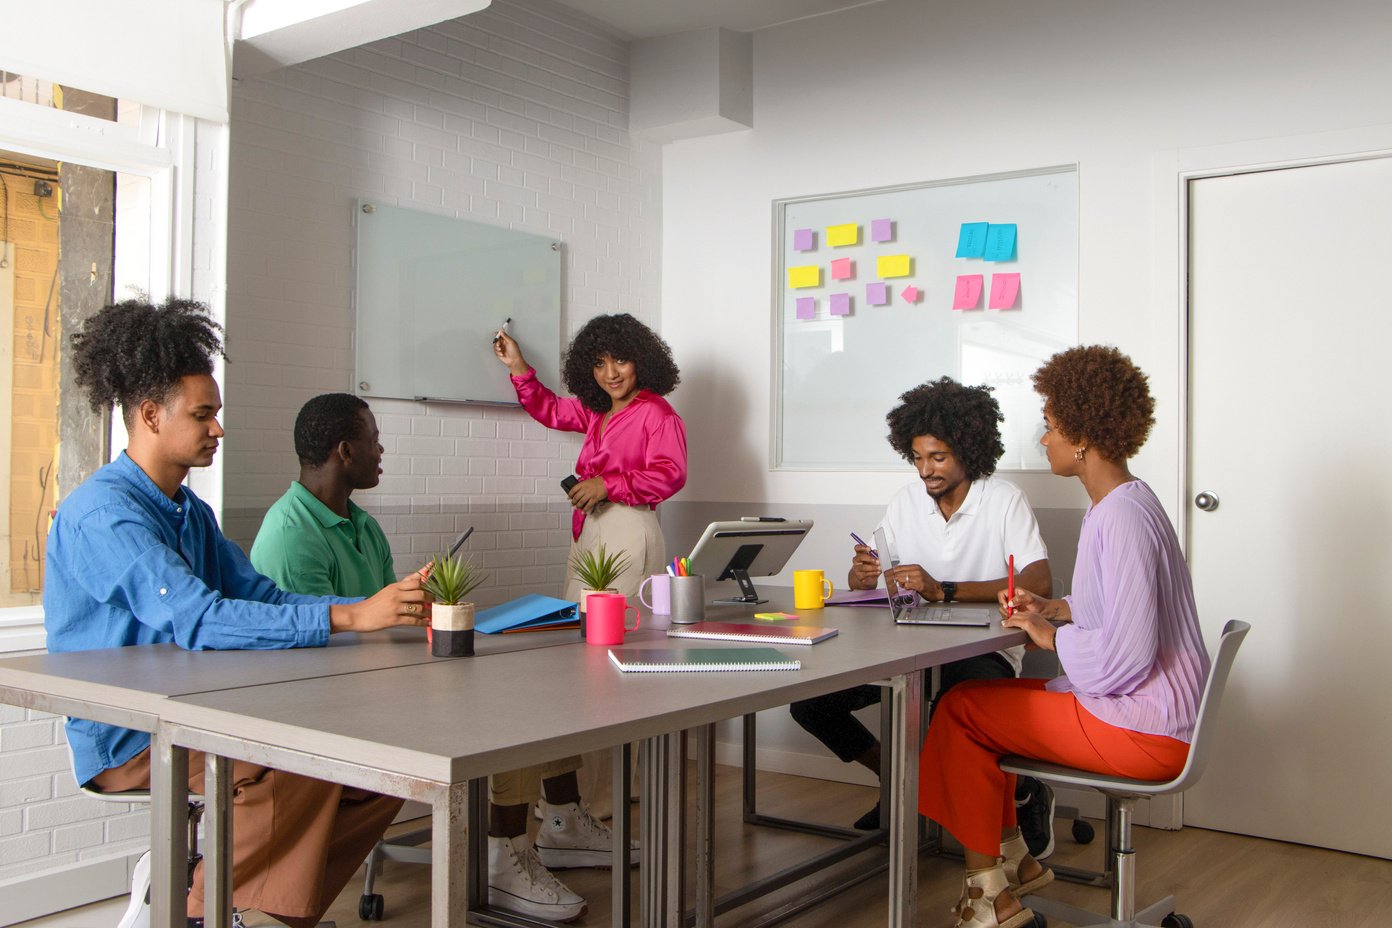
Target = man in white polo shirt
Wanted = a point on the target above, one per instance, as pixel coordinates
(954, 529)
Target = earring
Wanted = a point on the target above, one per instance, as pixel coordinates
(1078, 453)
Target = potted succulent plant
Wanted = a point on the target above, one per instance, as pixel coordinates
(451, 618)
(596, 570)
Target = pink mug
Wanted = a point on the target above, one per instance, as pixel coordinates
(604, 618)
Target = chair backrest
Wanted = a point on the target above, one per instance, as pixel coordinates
(1202, 744)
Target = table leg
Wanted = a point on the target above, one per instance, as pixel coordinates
(705, 826)
(906, 701)
(217, 841)
(168, 832)
(476, 889)
(661, 898)
(621, 826)
(448, 858)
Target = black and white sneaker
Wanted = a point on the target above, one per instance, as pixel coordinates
(1034, 810)
(137, 913)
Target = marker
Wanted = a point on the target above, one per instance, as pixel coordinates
(459, 542)
(1010, 587)
(861, 541)
(502, 330)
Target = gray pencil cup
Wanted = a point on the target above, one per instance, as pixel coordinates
(688, 599)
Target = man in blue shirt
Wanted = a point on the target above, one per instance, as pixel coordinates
(135, 557)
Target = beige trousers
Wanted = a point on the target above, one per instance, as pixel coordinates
(295, 841)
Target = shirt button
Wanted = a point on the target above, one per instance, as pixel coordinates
(163, 591)
(178, 508)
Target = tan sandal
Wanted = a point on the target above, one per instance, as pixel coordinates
(1014, 852)
(978, 906)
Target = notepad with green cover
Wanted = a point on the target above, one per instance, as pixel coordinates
(666, 660)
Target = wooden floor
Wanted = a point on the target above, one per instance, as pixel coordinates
(1220, 880)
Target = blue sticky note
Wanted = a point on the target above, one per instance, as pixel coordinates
(971, 241)
(1000, 242)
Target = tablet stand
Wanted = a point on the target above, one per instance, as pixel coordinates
(749, 597)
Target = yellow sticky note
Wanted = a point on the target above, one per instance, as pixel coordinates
(893, 266)
(808, 275)
(848, 234)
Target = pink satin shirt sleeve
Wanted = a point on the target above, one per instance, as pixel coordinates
(555, 412)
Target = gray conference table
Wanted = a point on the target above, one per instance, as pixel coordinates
(382, 715)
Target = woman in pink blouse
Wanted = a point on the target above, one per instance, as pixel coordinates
(1127, 638)
(634, 453)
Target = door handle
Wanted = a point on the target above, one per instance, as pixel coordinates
(1206, 501)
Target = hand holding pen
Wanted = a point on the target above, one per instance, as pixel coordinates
(865, 566)
(506, 349)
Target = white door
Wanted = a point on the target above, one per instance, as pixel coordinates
(1290, 354)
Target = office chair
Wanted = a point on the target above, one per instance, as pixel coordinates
(1122, 794)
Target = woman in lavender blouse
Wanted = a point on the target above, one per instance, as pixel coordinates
(1127, 638)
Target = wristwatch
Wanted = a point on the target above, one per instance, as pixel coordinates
(949, 590)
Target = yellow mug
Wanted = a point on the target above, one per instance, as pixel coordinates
(810, 589)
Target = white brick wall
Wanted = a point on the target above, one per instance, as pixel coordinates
(44, 821)
(515, 116)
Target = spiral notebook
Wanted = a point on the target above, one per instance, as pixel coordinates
(666, 660)
(738, 631)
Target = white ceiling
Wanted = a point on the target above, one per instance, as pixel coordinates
(643, 19)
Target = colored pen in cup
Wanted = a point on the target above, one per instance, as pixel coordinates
(861, 541)
(1010, 587)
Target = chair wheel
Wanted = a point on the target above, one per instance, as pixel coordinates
(1175, 920)
(371, 907)
(1083, 832)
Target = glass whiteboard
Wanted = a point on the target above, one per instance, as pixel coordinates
(432, 291)
(837, 376)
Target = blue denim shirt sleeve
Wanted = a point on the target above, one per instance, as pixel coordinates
(127, 565)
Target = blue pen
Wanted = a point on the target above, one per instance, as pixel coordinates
(861, 541)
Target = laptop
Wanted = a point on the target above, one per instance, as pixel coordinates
(908, 610)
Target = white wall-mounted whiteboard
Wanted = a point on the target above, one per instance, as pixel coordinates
(837, 375)
(432, 290)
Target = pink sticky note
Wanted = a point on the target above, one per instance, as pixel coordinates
(881, 230)
(842, 269)
(803, 240)
(968, 293)
(840, 304)
(806, 307)
(909, 294)
(1004, 289)
(876, 294)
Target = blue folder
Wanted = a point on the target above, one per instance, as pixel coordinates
(530, 612)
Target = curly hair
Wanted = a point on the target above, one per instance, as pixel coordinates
(1098, 395)
(133, 351)
(625, 339)
(966, 418)
(323, 422)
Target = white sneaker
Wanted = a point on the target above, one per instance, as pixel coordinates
(571, 837)
(138, 911)
(519, 883)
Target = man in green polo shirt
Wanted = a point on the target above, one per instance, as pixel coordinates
(314, 539)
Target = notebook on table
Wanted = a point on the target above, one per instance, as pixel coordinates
(907, 609)
(738, 631)
(690, 660)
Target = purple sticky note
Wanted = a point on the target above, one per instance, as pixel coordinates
(876, 294)
(881, 230)
(804, 239)
(842, 269)
(1004, 289)
(840, 304)
(806, 307)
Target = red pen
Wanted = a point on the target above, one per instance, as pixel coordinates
(1010, 587)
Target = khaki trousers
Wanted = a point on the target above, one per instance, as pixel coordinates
(295, 841)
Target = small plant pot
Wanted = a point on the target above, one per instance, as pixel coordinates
(584, 596)
(452, 630)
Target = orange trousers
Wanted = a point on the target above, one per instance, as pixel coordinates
(295, 841)
(960, 783)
